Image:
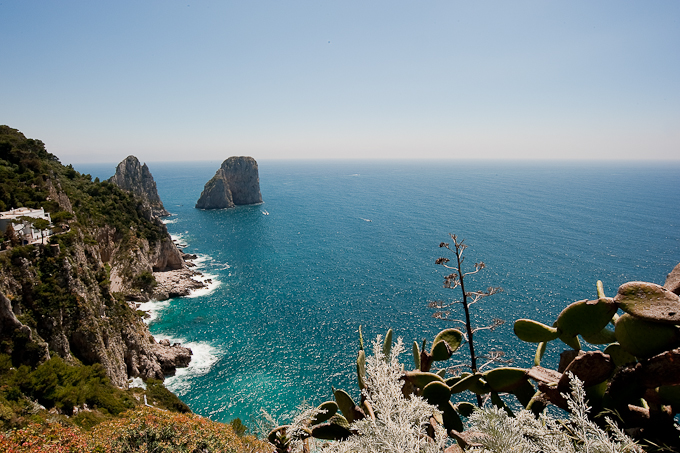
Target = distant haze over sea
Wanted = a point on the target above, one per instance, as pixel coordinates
(350, 243)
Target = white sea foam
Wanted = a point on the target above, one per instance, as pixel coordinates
(136, 383)
(203, 357)
(178, 239)
(211, 285)
(203, 261)
(153, 308)
(169, 221)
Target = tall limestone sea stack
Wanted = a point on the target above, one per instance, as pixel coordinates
(136, 178)
(236, 182)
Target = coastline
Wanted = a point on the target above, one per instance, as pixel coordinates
(179, 282)
(184, 282)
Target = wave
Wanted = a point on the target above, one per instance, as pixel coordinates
(203, 357)
(202, 261)
(152, 308)
(211, 285)
(178, 239)
(169, 221)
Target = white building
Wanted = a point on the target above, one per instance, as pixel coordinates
(24, 229)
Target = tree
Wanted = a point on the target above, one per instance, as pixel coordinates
(37, 223)
(457, 280)
(41, 224)
(11, 235)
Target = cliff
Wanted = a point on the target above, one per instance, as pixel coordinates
(70, 296)
(136, 178)
(236, 182)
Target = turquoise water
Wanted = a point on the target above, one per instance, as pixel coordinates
(346, 244)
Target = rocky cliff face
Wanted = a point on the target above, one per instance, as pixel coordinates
(136, 178)
(84, 313)
(236, 182)
(74, 296)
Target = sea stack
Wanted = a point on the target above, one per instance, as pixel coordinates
(136, 178)
(236, 182)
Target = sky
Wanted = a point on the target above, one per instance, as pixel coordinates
(171, 80)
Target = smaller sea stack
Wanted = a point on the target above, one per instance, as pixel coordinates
(136, 178)
(236, 182)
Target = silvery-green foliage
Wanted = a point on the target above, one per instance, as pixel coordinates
(501, 433)
(297, 428)
(400, 424)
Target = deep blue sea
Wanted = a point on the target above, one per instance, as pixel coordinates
(342, 244)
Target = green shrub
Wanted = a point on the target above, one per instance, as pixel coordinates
(162, 397)
(89, 419)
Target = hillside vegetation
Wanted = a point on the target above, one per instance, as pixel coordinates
(68, 342)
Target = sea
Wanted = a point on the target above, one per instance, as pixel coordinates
(342, 245)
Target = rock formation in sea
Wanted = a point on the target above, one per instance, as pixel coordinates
(136, 178)
(236, 182)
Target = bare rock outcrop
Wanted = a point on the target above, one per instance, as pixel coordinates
(236, 182)
(170, 357)
(175, 283)
(136, 178)
(32, 350)
(58, 195)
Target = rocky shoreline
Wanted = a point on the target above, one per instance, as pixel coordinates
(177, 283)
(170, 284)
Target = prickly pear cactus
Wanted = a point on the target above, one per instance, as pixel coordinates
(637, 375)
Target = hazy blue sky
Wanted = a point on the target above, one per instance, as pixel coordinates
(187, 80)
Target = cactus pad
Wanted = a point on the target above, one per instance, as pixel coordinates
(453, 337)
(585, 317)
(534, 332)
(465, 408)
(619, 355)
(441, 351)
(451, 418)
(604, 336)
(592, 368)
(421, 378)
(387, 344)
(416, 355)
(436, 393)
(499, 403)
(649, 301)
(361, 369)
(524, 393)
(571, 341)
(480, 386)
(540, 351)
(345, 403)
(330, 408)
(337, 428)
(505, 379)
(644, 338)
(465, 383)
